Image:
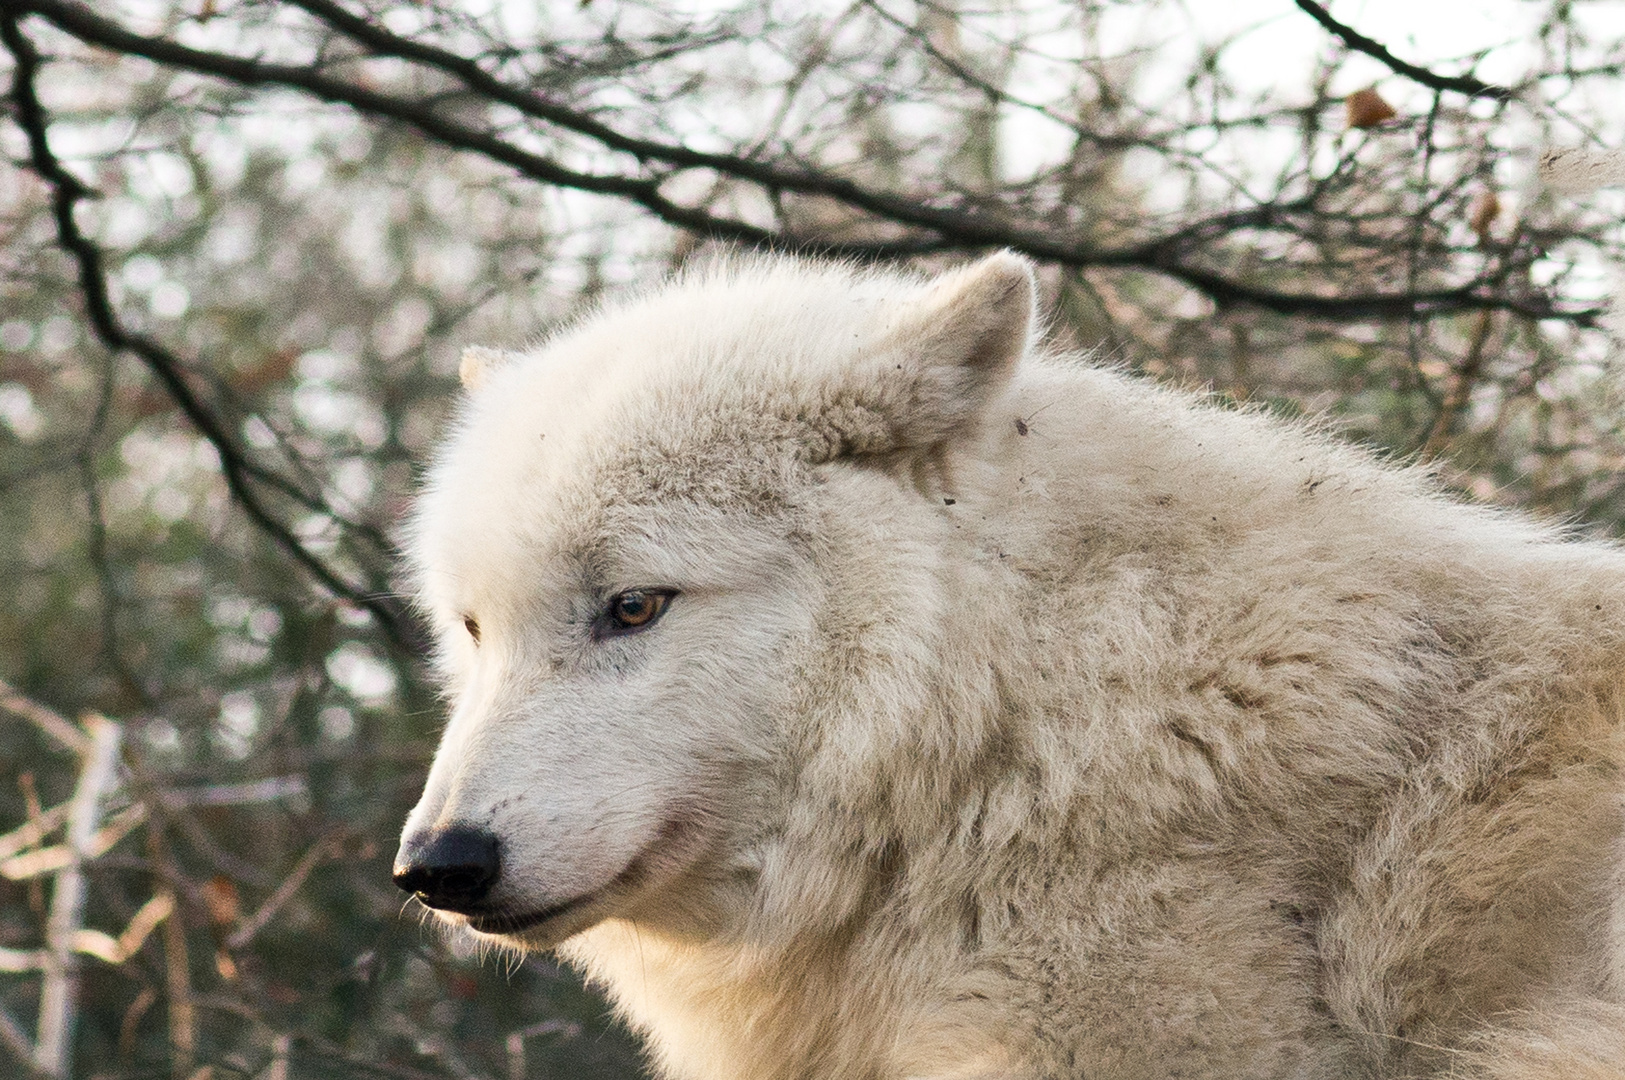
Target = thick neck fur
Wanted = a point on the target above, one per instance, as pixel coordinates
(1130, 666)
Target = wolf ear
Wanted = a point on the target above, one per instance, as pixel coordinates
(477, 364)
(953, 349)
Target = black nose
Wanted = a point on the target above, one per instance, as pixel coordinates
(452, 868)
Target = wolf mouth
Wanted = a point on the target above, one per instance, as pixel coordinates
(513, 924)
(675, 832)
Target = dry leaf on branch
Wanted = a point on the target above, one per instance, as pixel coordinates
(1366, 109)
(1482, 214)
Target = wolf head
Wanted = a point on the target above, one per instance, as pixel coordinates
(682, 558)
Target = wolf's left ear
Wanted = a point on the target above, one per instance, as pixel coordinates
(954, 348)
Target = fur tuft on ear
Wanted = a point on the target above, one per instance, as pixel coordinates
(954, 348)
(477, 364)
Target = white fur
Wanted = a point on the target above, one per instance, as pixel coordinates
(1016, 718)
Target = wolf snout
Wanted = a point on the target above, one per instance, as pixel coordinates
(451, 868)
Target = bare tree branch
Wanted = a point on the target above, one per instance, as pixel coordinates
(1461, 84)
(67, 192)
(946, 228)
(53, 1050)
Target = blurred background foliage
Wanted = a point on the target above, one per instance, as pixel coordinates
(242, 243)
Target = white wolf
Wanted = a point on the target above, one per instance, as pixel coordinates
(856, 692)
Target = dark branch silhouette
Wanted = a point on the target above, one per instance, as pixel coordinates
(1461, 84)
(933, 228)
(67, 191)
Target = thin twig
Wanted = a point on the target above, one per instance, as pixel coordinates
(182, 1012)
(17, 1041)
(1456, 398)
(48, 720)
(178, 983)
(285, 892)
(199, 837)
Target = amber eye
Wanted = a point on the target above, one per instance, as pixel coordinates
(473, 628)
(635, 609)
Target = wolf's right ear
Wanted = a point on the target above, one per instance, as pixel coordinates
(477, 364)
